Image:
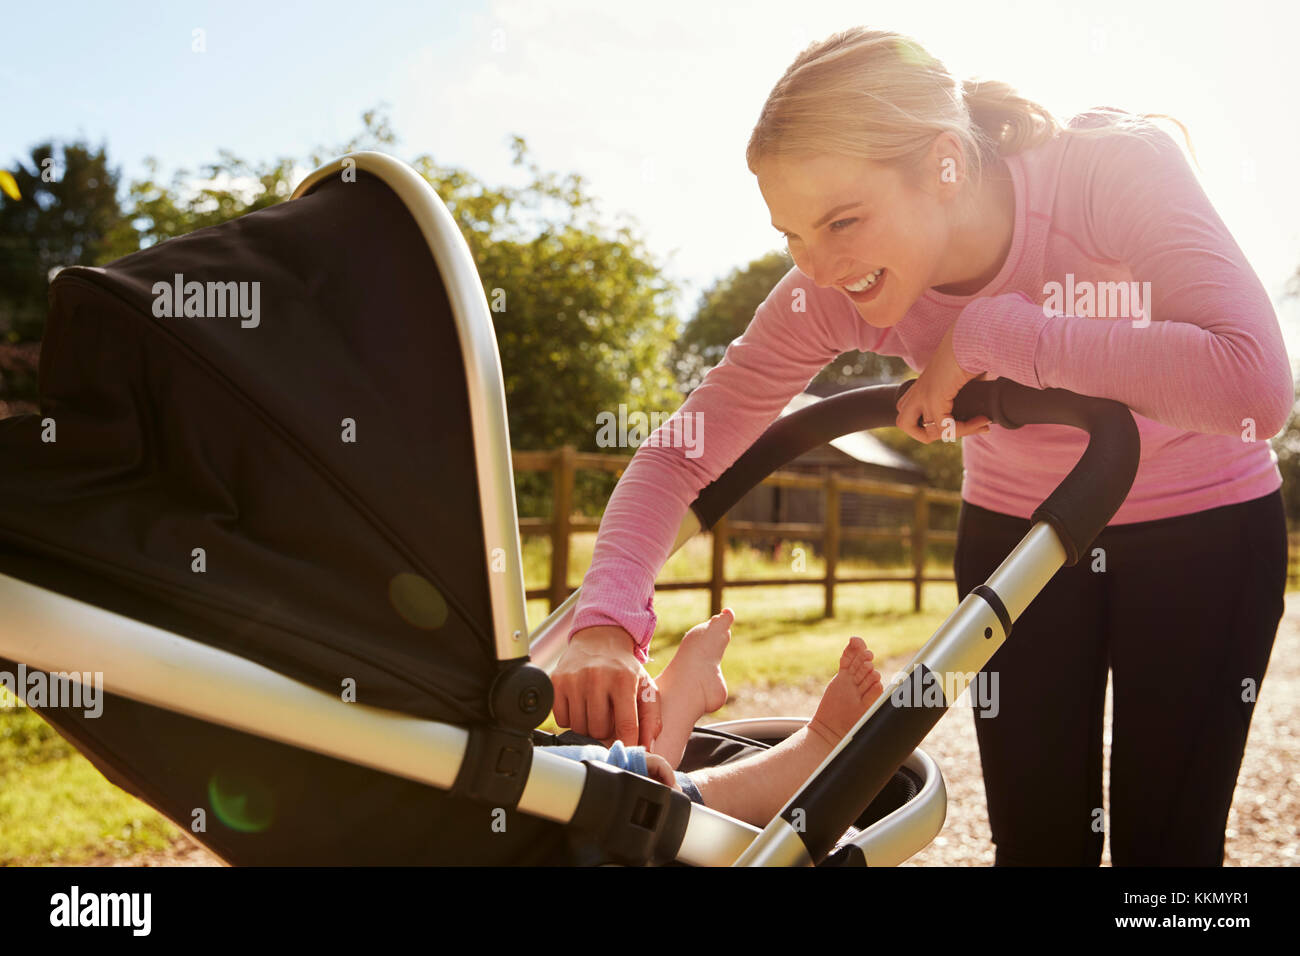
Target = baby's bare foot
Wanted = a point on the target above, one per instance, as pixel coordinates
(849, 694)
(692, 685)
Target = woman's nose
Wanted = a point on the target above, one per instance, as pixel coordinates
(823, 272)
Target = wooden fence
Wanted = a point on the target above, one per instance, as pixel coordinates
(564, 462)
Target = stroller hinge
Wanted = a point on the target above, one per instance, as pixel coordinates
(495, 768)
(500, 754)
(521, 695)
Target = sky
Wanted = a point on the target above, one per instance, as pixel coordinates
(652, 103)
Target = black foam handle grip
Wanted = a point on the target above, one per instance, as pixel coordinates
(1082, 504)
(787, 438)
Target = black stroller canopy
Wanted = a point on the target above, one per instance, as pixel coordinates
(301, 491)
(297, 487)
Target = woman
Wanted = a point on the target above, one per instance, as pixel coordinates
(960, 227)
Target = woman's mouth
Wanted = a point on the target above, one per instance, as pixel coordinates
(865, 293)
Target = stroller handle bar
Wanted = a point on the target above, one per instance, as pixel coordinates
(1077, 510)
(1080, 507)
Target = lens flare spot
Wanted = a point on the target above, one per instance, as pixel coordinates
(241, 801)
(418, 602)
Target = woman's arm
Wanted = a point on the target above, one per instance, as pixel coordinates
(600, 686)
(1212, 355)
(775, 358)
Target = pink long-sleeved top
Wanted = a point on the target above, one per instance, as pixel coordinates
(1203, 368)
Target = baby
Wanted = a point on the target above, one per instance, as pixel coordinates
(756, 788)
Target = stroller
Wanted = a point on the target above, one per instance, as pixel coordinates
(288, 542)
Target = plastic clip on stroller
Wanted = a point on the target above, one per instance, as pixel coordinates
(200, 535)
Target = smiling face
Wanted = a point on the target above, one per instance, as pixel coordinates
(845, 218)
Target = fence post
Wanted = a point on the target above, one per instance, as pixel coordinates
(561, 509)
(831, 539)
(717, 574)
(920, 546)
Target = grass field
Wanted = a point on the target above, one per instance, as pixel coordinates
(57, 808)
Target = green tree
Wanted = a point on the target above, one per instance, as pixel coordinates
(230, 187)
(66, 214)
(226, 189)
(584, 320)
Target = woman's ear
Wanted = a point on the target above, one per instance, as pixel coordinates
(947, 164)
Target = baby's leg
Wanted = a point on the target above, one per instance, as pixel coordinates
(692, 685)
(756, 788)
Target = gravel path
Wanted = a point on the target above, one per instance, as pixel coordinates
(1262, 824)
(1263, 820)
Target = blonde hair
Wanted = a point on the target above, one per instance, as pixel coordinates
(877, 95)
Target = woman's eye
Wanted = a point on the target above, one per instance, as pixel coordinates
(838, 225)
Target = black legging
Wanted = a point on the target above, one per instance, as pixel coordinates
(1184, 615)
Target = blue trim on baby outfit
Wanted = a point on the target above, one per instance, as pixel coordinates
(625, 758)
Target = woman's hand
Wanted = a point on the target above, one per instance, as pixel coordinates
(603, 692)
(930, 399)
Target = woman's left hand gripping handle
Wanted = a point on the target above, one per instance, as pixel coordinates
(925, 408)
